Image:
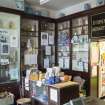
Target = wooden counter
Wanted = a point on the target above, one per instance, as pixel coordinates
(63, 93)
(60, 93)
(64, 84)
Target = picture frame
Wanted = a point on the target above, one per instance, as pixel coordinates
(44, 38)
(4, 48)
(19, 4)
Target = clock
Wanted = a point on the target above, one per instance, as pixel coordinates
(19, 4)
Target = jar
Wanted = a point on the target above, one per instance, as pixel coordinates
(34, 75)
(33, 78)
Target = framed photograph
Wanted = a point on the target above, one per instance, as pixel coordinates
(44, 38)
(4, 48)
(19, 4)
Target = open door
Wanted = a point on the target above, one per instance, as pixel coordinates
(97, 57)
(94, 57)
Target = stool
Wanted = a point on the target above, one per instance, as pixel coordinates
(24, 101)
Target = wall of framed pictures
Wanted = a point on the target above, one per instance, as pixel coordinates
(63, 43)
(80, 43)
(47, 43)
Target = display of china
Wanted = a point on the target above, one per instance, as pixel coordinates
(75, 38)
(49, 76)
(57, 74)
(100, 2)
(87, 6)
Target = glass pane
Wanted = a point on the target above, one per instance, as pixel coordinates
(9, 47)
(80, 44)
(64, 45)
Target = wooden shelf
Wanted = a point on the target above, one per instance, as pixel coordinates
(28, 31)
(80, 26)
(80, 35)
(47, 30)
(64, 29)
(28, 36)
(80, 51)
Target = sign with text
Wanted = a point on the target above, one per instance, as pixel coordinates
(98, 25)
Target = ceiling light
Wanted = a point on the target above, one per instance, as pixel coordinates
(43, 1)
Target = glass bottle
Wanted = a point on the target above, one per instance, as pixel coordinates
(33, 78)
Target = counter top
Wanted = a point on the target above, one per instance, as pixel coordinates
(64, 84)
(41, 99)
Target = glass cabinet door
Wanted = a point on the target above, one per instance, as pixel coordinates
(63, 51)
(47, 43)
(9, 47)
(29, 42)
(80, 44)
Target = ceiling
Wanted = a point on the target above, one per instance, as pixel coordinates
(56, 4)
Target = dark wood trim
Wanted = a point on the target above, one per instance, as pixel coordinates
(56, 42)
(25, 15)
(11, 87)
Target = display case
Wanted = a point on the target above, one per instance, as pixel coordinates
(29, 41)
(63, 45)
(47, 43)
(9, 48)
(80, 44)
(60, 93)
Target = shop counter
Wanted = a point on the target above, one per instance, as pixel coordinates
(58, 94)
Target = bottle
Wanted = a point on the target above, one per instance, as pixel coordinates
(32, 81)
(34, 75)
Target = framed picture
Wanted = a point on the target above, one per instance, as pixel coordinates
(19, 4)
(4, 48)
(44, 38)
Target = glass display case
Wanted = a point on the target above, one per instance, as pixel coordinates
(47, 44)
(29, 40)
(63, 51)
(80, 44)
(9, 47)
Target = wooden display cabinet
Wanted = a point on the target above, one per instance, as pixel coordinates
(29, 32)
(47, 44)
(80, 44)
(63, 44)
(59, 94)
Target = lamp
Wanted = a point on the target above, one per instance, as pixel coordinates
(43, 1)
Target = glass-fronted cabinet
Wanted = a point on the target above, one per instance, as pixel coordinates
(9, 47)
(80, 44)
(29, 42)
(47, 43)
(63, 44)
